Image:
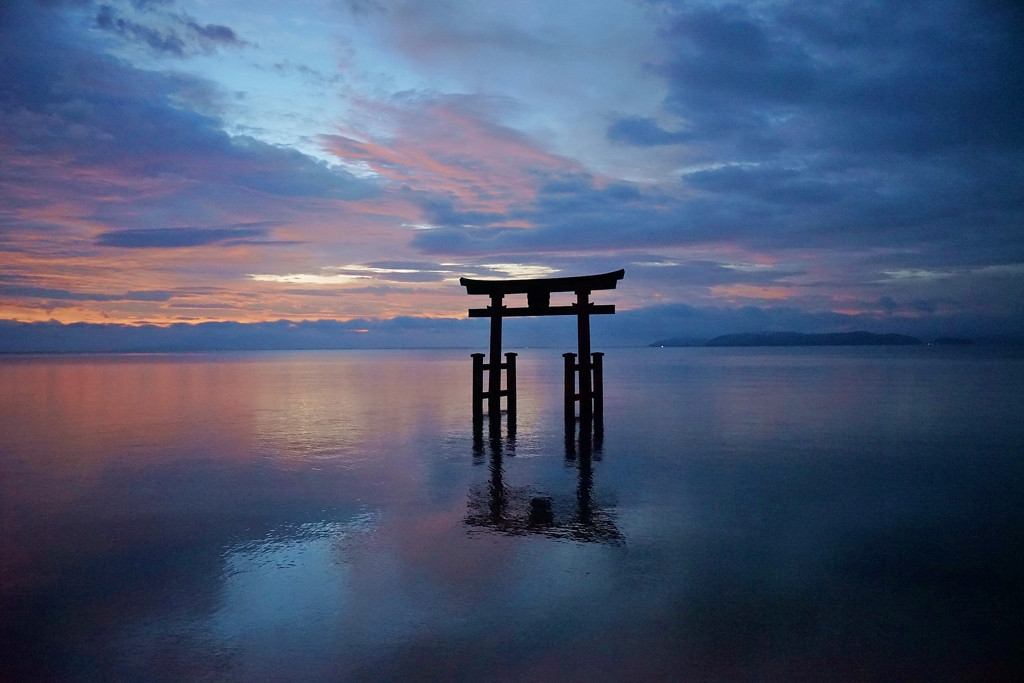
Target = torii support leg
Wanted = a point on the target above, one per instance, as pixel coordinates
(570, 390)
(510, 383)
(597, 388)
(478, 387)
(494, 368)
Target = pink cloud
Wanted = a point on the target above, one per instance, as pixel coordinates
(452, 146)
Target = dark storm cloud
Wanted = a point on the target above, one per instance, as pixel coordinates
(774, 185)
(643, 132)
(161, 41)
(178, 36)
(841, 123)
(214, 32)
(130, 122)
(844, 76)
(170, 238)
(967, 207)
(570, 213)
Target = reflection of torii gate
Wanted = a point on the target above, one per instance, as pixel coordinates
(524, 510)
(538, 298)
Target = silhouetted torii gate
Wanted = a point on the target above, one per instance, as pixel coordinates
(538, 298)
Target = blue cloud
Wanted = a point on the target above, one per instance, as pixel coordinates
(179, 36)
(858, 77)
(831, 124)
(170, 238)
(132, 121)
(66, 295)
(644, 132)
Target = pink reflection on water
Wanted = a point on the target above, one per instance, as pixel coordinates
(308, 517)
(103, 452)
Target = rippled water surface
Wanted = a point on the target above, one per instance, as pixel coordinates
(746, 515)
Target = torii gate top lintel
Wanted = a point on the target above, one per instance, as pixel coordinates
(538, 294)
(542, 285)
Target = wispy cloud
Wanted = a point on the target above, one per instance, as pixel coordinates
(66, 295)
(174, 238)
(518, 270)
(168, 33)
(310, 278)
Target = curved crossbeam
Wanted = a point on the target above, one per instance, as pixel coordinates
(583, 283)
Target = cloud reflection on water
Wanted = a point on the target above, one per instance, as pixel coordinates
(303, 516)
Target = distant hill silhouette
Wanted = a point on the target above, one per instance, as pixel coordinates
(799, 339)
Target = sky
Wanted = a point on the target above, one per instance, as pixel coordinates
(815, 166)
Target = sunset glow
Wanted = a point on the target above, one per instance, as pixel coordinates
(181, 161)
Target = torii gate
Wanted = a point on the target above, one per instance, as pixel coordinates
(538, 298)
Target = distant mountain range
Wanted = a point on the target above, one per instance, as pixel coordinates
(801, 339)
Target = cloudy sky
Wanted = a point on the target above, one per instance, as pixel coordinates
(851, 165)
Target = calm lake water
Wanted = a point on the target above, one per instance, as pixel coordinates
(801, 514)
